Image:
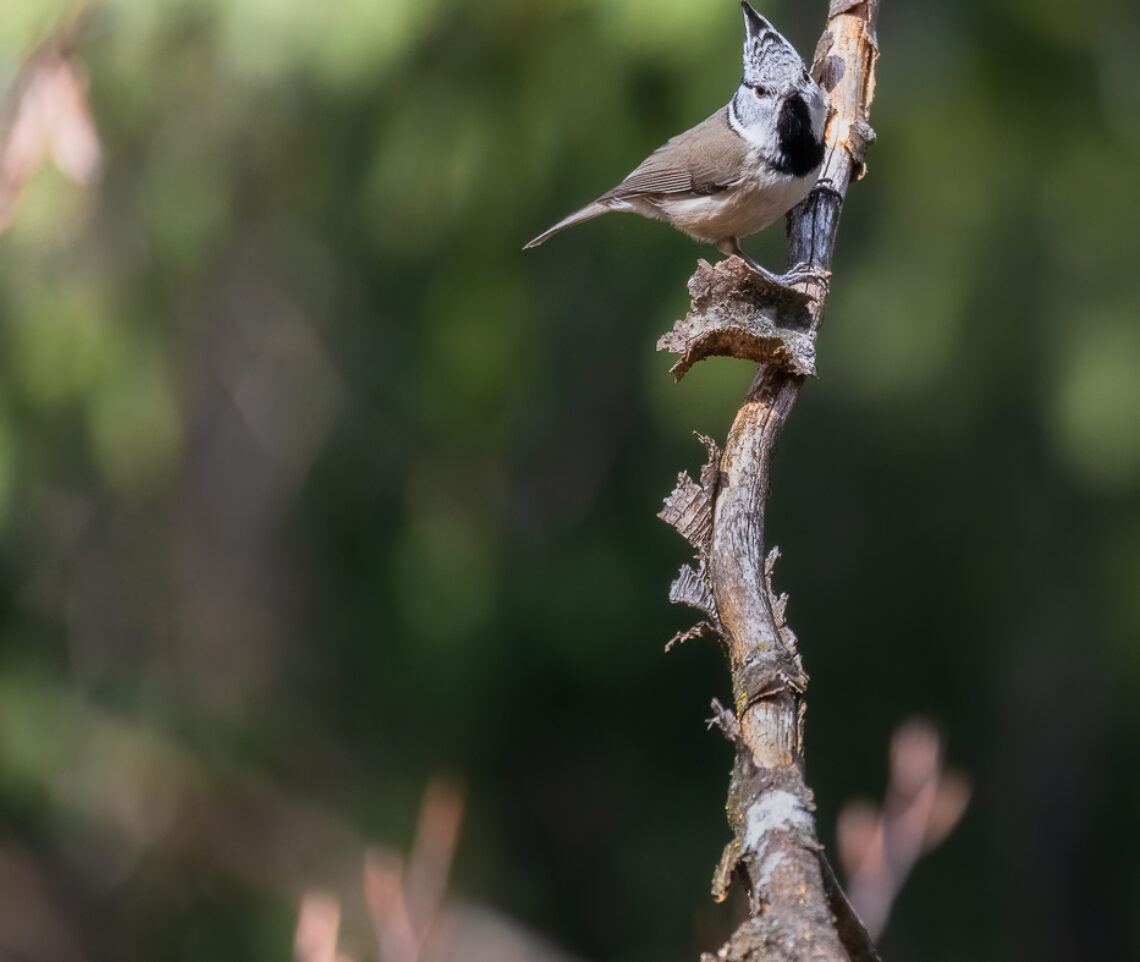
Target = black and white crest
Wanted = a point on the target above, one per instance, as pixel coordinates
(769, 60)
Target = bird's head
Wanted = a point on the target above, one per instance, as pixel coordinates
(774, 74)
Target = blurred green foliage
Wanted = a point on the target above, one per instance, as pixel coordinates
(311, 479)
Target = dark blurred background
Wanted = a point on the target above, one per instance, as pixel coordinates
(314, 487)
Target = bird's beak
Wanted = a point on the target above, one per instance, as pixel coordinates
(754, 24)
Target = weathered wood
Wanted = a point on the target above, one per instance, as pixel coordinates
(738, 313)
(795, 911)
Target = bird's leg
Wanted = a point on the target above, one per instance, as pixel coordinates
(732, 246)
(800, 272)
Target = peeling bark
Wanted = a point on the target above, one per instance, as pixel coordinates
(796, 910)
(738, 313)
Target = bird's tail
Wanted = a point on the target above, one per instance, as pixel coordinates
(588, 212)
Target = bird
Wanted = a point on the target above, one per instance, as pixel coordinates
(742, 168)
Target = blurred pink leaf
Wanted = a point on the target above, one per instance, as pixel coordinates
(48, 112)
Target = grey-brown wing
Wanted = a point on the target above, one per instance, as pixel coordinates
(705, 159)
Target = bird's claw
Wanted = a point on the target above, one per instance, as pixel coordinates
(805, 272)
(825, 185)
(793, 276)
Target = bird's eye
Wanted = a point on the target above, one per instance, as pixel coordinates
(761, 91)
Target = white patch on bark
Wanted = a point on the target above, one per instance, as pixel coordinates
(774, 811)
(768, 866)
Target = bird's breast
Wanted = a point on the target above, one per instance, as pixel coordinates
(756, 201)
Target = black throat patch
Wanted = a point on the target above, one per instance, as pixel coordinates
(799, 152)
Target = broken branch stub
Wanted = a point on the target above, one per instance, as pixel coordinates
(739, 313)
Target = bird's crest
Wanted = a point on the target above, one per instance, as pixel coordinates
(769, 60)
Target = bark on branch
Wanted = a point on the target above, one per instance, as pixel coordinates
(796, 910)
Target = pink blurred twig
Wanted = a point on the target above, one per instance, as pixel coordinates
(404, 900)
(318, 927)
(924, 801)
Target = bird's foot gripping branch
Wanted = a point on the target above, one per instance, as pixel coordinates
(796, 909)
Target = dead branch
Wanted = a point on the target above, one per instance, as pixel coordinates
(774, 851)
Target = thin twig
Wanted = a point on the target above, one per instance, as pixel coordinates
(405, 900)
(429, 868)
(924, 801)
(854, 935)
(318, 929)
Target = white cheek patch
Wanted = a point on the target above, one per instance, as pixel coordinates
(759, 135)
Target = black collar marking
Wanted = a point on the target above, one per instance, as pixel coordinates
(799, 152)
